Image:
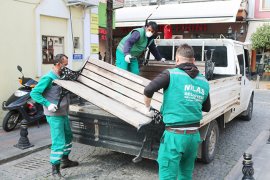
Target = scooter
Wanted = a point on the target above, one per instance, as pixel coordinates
(20, 105)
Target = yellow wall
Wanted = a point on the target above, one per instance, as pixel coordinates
(52, 26)
(17, 34)
(18, 41)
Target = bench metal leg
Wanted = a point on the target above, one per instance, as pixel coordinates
(138, 158)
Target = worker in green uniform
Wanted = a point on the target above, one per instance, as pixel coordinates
(185, 96)
(48, 94)
(133, 45)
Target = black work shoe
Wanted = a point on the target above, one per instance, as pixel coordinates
(66, 163)
(56, 171)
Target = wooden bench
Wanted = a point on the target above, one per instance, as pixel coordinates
(117, 91)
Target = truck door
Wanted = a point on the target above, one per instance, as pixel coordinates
(242, 58)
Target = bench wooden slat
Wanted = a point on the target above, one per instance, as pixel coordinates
(120, 72)
(121, 80)
(139, 97)
(119, 96)
(116, 108)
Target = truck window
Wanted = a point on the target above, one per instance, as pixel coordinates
(247, 64)
(240, 58)
(166, 52)
(219, 55)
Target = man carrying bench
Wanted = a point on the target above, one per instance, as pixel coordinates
(186, 95)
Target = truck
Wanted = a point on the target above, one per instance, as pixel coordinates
(224, 62)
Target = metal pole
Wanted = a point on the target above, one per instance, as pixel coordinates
(23, 142)
(258, 81)
(247, 170)
(109, 32)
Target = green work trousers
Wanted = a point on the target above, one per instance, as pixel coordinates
(177, 154)
(61, 136)
(133, 66)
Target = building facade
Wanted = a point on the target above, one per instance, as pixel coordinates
(34, 31)
(187, 18)
(259, 15)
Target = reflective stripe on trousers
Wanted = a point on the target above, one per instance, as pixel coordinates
(61, 136)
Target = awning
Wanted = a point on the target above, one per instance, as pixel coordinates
(252, 27)
(184, 13)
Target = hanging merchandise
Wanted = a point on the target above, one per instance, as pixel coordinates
(167, 31)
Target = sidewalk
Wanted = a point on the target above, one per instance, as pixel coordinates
(260, 151)
(39, 137)
(263, 85)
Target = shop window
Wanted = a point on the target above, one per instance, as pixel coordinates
(265, 5)
(265, 61)
(51, 46)
(76, 42)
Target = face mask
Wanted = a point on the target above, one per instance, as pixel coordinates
(62, 70)
(148, 34)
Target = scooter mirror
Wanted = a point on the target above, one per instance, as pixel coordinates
(19, 68)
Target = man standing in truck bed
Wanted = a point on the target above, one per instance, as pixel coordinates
(133, 45)
(186, 95)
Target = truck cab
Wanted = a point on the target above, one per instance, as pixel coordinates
(229, 57)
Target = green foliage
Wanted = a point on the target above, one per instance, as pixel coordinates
(261, 38)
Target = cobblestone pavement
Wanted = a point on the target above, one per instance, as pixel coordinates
(99, 163)
(95, 163)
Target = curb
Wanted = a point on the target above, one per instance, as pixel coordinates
(236, 171)
(27, 152)
(261, 89)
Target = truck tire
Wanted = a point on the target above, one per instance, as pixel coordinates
(248, 112)
(209, 145)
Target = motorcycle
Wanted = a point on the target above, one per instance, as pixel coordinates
(20, 105)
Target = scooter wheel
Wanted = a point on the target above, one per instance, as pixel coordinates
(11, 120)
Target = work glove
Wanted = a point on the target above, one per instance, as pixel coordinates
(52, 107)
(127, 58)
(148, 111)
(163, 60)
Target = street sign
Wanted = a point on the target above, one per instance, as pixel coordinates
(77, 57)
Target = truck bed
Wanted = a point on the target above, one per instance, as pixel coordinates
(99, 124)
(94, 126)
(121, 93)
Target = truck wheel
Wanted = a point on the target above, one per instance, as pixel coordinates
(11, 120)
(249, 110)
(209, 145)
